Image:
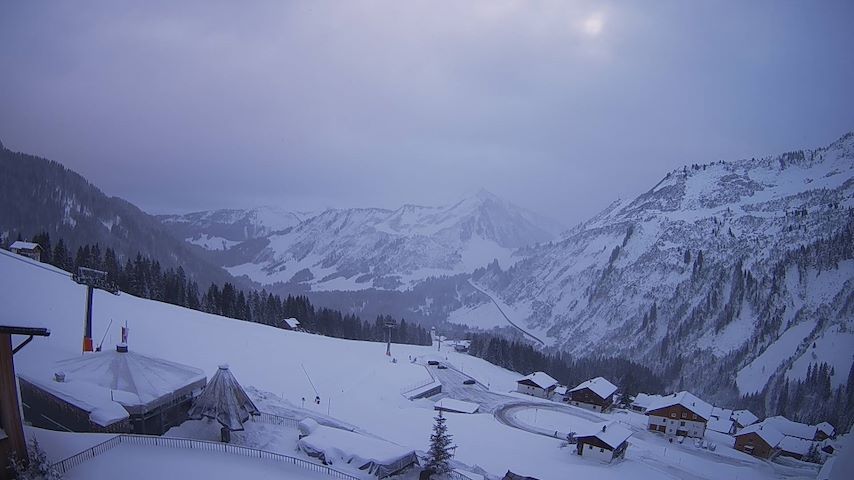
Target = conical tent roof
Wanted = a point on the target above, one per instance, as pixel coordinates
(225, 401)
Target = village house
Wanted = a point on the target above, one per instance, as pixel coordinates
(791, 428)
(744, 418)
(596, 394)
(642, 401)
(12, 440)
(291, 324)
(605, 442)
(794, 447)
(27, 249)
(537, 384)
(824, 431)
(680, 414)
(758, 440)
(721, 425)
(561, 393)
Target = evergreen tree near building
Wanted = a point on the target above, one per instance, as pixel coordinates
(441, 449)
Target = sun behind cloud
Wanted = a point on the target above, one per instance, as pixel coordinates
(593, 24)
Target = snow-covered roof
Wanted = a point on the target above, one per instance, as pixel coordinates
(452, 405)
(561, 389)
(643, 400)
(612, 433)
(540, 379)
(771, 435)
(722, 413)
(827, 428)
(136, 381)
(687, 400)
(225, 401)
(744, 417)
(795, 445)
(343, 446)
(722, 425)
(597, 385)
(791, 428)
(24, 245)
(102, 409)
(292, 323)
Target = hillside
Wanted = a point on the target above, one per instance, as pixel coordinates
(718, 269)
(38, 195)
(355, 380)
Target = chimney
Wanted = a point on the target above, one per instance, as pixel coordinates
(59, 377)
(604, 427)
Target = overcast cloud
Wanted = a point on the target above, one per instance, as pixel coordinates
(560, 106)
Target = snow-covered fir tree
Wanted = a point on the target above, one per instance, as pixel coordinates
(441, 449)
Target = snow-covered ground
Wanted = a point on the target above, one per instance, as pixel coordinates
(356, 382)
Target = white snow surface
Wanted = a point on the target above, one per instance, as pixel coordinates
(356, 382)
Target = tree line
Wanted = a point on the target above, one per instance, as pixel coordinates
(143, 277)
(523, 358)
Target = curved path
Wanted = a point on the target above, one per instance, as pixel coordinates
(517, 327)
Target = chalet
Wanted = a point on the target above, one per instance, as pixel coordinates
(791, 428)
(794, 447)
(27, 249)
(537, 384)
(110, 392)
(824, 431)
(561, 393)
(12, 441)
(642, 401)
(291, 324)
(758, 440)
(604, 441)
(744, 418)
(596, 394)
(681, 414)
(721, 425)
(721, 413)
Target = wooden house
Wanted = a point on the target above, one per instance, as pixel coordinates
(680, 414)
(824, 430)
(27, 249)
(596, 394)
(537, 384)
(758, 440)
(744, 418)
(605, 442)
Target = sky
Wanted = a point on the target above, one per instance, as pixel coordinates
(560, 107)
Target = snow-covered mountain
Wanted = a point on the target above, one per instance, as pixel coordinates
(222, 229)
(728, 267)
(361, 248)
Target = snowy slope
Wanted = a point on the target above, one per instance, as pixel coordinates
(773, 233)
(355, 380)
(360, 248)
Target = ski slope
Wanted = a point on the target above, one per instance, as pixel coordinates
(356, 382)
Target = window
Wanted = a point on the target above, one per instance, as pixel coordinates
(684, 415)
(681, 424)
(694, 417)
(601, 450)
(673, 415)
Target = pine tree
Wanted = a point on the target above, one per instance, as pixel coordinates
(441, 450)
